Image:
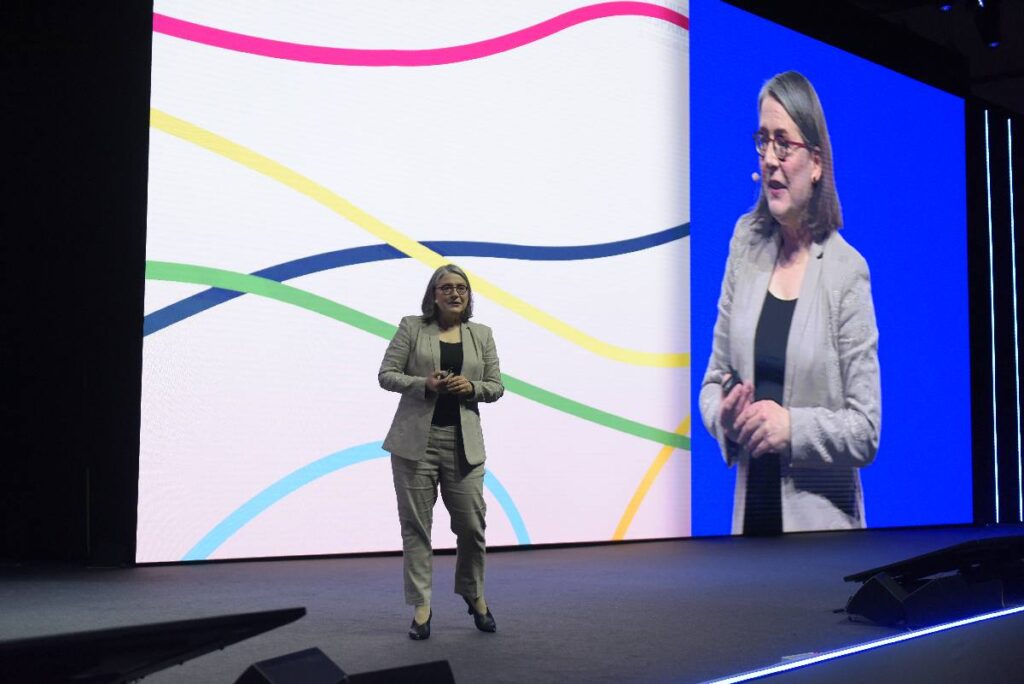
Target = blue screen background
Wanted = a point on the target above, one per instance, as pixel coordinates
(900, 173)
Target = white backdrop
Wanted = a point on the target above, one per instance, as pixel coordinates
(261, 413)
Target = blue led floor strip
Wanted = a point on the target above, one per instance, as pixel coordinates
(860, 648)
(311, 472)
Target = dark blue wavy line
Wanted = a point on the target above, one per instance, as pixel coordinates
(207, 299)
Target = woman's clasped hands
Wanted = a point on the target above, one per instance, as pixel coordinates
(760, 427)
(446, 382)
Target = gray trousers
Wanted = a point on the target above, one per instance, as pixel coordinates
(462, 490)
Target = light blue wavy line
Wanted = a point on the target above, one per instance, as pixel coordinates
(297, 479)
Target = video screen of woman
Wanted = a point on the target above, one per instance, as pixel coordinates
(829, 287)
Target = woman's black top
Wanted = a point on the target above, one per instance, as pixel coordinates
(446, 411)
(763, 510)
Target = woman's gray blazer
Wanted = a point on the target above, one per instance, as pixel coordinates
(413, 354)
(832, 386)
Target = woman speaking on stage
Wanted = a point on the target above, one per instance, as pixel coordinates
(444, 366)
(792, 390)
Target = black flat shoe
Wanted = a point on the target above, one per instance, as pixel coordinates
(485, 623)
(418, 632)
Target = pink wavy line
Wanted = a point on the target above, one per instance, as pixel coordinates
(317, 54)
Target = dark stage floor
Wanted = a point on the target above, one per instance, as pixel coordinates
(679, 611)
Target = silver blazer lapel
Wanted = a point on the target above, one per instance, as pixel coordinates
(760, 277)
(806, 304)
(433, 334)
(470, 359)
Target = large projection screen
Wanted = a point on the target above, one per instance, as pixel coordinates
(899, 161)
(311, 163)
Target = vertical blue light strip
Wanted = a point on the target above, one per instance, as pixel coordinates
(992, 318)
(1016, 346)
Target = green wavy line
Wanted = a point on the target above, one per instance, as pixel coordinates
(271, 289)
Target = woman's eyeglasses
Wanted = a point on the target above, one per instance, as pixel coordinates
(448, 289)
(782, 147)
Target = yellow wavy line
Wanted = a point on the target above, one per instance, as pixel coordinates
(268, 167)
(645, 484)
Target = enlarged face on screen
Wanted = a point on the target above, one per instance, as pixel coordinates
(788, 183)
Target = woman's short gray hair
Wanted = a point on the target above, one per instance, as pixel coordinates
(429, 306)
(797, 96)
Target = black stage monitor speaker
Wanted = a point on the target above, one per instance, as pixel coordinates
(955, 582)
(435, 672)
(125, 654)
(312, 666)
